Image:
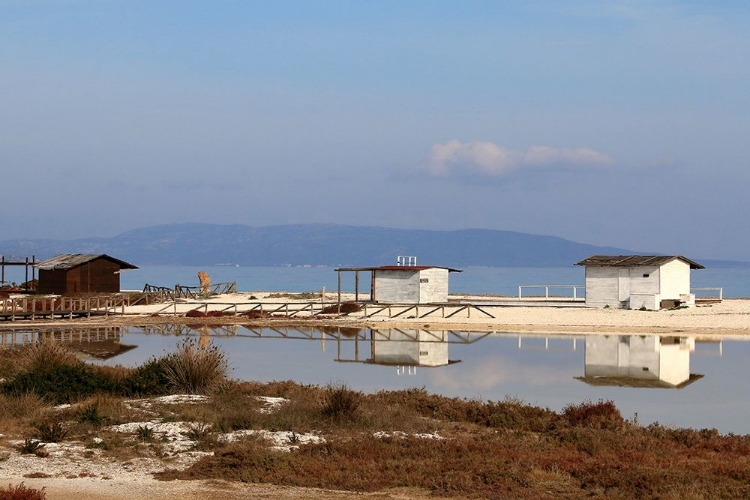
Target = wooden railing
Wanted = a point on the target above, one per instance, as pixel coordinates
(51, 307)
(155, 294)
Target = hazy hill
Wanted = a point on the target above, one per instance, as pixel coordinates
(318, 244)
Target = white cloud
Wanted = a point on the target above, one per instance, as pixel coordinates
(487, 158)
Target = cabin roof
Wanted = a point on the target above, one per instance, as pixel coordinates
(397, 268)
(636, 382)
(68, 261)
(634, 260)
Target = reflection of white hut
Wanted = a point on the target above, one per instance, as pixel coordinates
(636, 281)
(639, 361)
(401, 348)
(407, 350)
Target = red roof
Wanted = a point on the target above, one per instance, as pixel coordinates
(397, 268)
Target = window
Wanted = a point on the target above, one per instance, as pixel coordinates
(646, 275)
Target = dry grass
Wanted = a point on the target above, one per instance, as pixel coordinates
(21, 492)
(504, 449)
(193, 370)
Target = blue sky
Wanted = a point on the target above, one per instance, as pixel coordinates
(613, 123)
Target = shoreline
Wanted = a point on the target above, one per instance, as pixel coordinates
(730, 318)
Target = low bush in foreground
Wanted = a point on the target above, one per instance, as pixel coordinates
(21, 492)
(195, 370)
(51, 371)
(448, 446)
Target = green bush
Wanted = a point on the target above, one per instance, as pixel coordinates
(149, 379)
(59, 383)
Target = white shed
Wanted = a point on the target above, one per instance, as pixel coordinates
(404, 284)
(638, 281)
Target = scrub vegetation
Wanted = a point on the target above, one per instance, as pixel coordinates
(370, 442)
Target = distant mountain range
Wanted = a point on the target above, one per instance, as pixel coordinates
(324, 244)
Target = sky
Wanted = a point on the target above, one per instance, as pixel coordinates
(613, 123)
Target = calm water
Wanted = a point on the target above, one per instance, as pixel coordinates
(545, 371)
(479, 280)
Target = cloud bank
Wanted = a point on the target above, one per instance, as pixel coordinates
(488, 159)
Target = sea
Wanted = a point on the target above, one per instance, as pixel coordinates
(734, 282)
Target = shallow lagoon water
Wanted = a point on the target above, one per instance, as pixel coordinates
(548, 371)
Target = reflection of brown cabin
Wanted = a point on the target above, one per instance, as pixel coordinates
(81, 273)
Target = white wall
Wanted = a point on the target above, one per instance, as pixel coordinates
(435, 288)
(644, 280)
(602, 286)
(397, 287)
(675, 279)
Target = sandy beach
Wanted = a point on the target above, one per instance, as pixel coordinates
(731, 317)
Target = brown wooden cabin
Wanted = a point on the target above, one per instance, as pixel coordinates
(81, 273)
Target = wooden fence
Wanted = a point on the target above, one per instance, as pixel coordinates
(63, 307)
(153, 294)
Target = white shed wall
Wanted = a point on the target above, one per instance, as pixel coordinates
(644, 280)
(675, 279)
(400, 287)
(435, 288)
(602, 286)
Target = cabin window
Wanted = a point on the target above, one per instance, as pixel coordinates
(645, 275)
(424, 280)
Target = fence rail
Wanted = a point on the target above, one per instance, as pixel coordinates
(153, 293)
(62, 307)
(547, 288)
(720, 291)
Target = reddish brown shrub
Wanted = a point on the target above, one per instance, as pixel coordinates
(21, 492)
(344, 308)
(602, 414)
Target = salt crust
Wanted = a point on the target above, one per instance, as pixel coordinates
(77, 460)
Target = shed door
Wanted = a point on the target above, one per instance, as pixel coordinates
(623, 284)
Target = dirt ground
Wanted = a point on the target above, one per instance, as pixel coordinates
(150, 489)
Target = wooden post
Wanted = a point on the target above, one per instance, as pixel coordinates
(356, 286)
(339, 294)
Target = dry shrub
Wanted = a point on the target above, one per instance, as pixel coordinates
(341, 403)
(50, 431)
(602, 415)
(26, 406)
(195, 370)
(44, 353)
(302, 413)
(195, 313)
(510, 414)
(255, 314)
(21, 492)
(343, 308)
